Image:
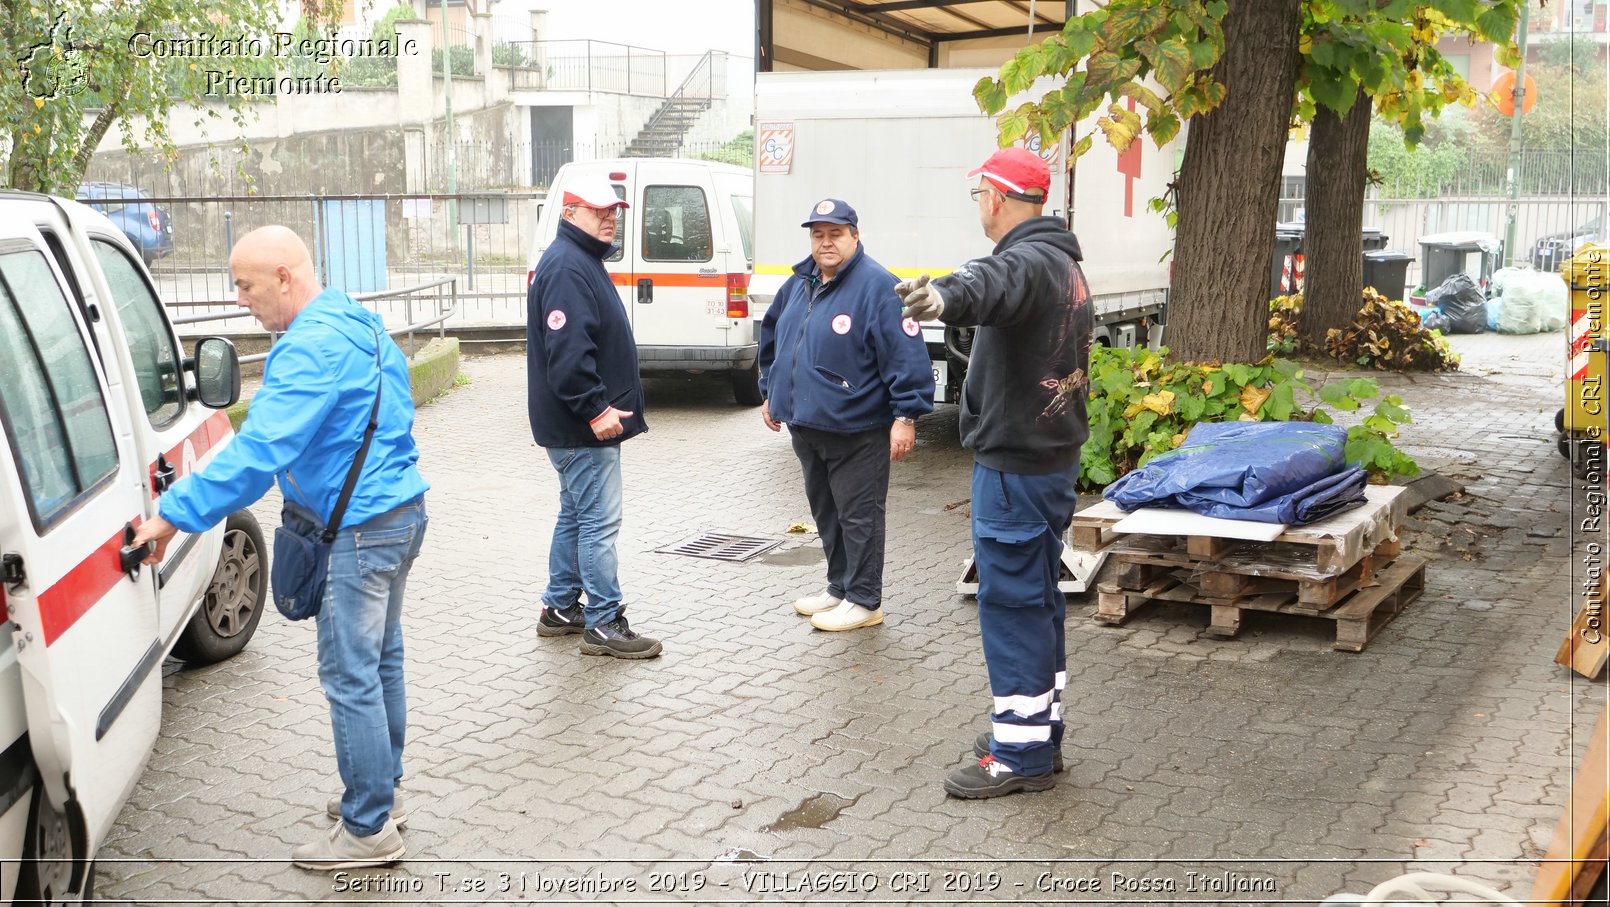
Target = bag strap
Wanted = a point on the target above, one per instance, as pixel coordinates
(363, 453)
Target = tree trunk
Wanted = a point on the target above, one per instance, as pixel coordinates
(1230, 191)
(1333, 248)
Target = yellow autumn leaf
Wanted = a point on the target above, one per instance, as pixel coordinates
(1207, 387)
(801, 527)
(1161, 403)
(1179, 439)
(38, 103)
(1132, 410)
(1252, 399)
(1249, 417)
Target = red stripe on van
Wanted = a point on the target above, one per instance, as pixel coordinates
(73, 595)
(713, 281)
(206, 436)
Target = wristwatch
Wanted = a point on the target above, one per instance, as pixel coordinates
(905, 420)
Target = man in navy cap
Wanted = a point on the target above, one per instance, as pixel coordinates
(1023, 417)
(849, 377)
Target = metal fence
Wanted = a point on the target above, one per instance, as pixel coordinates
(600, 66)
(462, 257)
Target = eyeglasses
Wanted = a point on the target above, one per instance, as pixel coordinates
(979, 191)
(600, 213)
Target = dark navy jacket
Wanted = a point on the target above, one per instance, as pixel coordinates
(837, 356)
(581, 356)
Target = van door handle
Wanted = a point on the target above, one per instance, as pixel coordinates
(129, 556)
(163, 474)
(645, 291)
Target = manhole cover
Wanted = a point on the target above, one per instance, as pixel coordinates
(722, 547)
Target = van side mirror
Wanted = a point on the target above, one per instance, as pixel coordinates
(217, 372)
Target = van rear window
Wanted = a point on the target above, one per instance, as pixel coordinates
(676, 224)
(51, 401)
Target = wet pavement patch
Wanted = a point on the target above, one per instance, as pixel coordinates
(798, 556)
(814, 812)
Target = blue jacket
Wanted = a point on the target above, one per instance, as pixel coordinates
(837, 356)
(309, 417)
(581, 357)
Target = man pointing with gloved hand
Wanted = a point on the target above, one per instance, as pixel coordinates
(921, 299)
(1023, 417)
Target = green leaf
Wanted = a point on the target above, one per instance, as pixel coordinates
(1364, 388)
(1336, 395)
(1163, 127)
(1384, 426)
(1322, 417)
(1457, 10)
(1204, 54)
(1019, 72)
(1142, 423)
(1171, 63)
(1012, 126)
(1080, 43)
(1118, 382)
(1497, 24)
(1286, 369)
(990, 94)
(1280, 404)
(1126, 24)
(1398, 414)
(1240, 373)
(1083, 145)
(1144, 96)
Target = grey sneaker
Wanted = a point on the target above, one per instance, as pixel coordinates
(618, 639)
(561, 621)
(399, 809)
(341, 849)
(981, 749)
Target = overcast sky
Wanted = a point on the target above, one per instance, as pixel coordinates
(678, 28)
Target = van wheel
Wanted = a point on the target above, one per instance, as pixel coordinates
(746, 386)
(233, 603)
(47, 859)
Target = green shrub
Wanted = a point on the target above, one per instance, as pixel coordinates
(1142, 404)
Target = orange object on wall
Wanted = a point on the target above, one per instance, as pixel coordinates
(1503, 94)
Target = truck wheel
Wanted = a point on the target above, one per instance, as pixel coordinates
(46, 867)
(233, 603)
(746, 386)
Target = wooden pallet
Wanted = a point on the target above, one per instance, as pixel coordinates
(1359, 613)
(1233, 579)
(1338, 543)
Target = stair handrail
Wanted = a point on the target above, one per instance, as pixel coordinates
(704, 66)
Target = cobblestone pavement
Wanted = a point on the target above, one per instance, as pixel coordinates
(1270, 760)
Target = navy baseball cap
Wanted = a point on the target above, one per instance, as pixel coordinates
(831, 211)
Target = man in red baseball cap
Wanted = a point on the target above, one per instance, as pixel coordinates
(1023, 417)
(1017, 173)
(585, 398)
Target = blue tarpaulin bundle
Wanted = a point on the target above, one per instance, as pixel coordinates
(1269, 472)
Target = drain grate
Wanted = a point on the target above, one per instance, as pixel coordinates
(722, 547)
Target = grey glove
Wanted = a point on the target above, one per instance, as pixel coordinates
(921, 299)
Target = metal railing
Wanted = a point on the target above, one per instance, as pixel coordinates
(406, 294)
(699, 85)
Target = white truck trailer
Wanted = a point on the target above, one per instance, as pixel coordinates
(897, 145)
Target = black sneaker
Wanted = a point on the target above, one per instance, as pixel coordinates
(981, 749)
(617, 639)
(561, 621)
(987, 778)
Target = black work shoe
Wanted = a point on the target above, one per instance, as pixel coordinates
(617, 639)
(987, 778)
(561, 621)
(981, 749)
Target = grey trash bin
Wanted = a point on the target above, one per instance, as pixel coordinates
(1388, 272)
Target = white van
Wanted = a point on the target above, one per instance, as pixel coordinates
(684, 253)
(101, 410)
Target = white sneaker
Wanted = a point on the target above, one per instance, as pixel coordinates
(816, 604)
(847, 616)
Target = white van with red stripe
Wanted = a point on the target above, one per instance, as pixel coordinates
(101, 410)
(684, 253)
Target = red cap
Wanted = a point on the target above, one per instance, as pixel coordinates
(1016, 171)
(592, 192)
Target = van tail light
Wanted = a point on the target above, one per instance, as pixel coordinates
(156, 222)
(737, 295)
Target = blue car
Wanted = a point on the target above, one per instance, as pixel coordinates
(146, 225)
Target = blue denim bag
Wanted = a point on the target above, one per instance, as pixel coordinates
(302, 547)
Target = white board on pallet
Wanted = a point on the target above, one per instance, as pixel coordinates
(1167, 521)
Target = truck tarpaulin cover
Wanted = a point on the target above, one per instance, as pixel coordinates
(1270, 472)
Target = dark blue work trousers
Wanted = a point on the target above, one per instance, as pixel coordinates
(1018, 524)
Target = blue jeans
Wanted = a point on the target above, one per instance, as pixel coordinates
(1018, 522)
(582, 555)
(361, 658)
